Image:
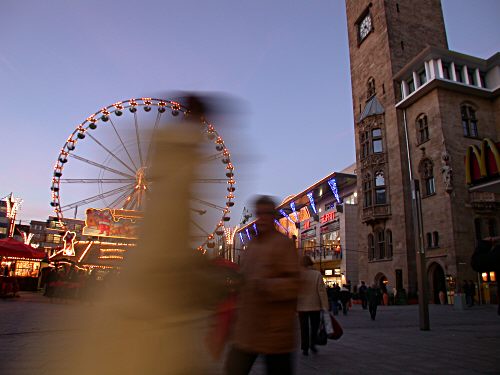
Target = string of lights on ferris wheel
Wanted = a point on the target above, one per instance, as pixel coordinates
(131, 175)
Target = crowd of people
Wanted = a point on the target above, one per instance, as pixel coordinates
(67, 282)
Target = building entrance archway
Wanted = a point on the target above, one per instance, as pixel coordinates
(437, 282)
(381, 281)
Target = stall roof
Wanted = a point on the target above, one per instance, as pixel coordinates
(10, 247)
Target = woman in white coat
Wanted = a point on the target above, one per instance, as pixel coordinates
(312, 299)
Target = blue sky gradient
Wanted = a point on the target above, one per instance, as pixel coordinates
(285, 62)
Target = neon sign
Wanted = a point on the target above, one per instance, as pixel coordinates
(329, 216)
(69, 243)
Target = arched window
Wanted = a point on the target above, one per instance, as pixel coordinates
(380, 244)
(435, 238)
(371, 247)
(370, 88)
(429, 240)
(469, 120)
(388, 237)
(426, 170)
(364, 143)
(380, 192)
(367, 191)
(422, 129)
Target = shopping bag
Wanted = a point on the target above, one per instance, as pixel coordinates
(322, 337)
(337, 329)
(325, 317)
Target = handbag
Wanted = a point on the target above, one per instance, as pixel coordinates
(322, 337)
(337, 328)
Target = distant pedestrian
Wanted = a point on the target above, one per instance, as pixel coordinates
(373, 296)
(267, 303)
(472, 292)
(335, 296)
(345, 298)
(362, 295)
(466, 291)
(312, 299)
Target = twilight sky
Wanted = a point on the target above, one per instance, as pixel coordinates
(285, 63)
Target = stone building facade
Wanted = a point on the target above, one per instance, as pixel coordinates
(413, 99)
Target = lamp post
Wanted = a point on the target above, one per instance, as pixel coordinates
(418, 233)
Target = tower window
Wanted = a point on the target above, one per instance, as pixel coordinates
(469, 121)
(370, 88)
(380, 191)
(388, 235)
(367, 190)
(426, 170)
(411, 85)
(422, 77)
(371, 247)
(459, 73)
(435, 239)
(429, 240)
(422, 129)
(472, 77)
(446, 70)
(377, 141)
(380, 245)
(364, 144)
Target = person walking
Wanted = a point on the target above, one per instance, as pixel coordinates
(373, 296)
(362, 295)
(312, 299)
(267, 303)
(472, 292)
(345, 297)
(466, 291)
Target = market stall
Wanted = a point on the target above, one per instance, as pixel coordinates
(19, 265)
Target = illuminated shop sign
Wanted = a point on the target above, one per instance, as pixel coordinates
(329, 216)
(328, 272)
(307, 224)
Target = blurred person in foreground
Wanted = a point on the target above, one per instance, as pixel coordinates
(312, 299)
(268, 298)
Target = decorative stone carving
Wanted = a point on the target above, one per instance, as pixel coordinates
(446, 171)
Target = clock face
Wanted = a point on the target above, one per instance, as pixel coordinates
(365, 27)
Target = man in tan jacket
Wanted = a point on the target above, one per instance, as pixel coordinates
(266, 315)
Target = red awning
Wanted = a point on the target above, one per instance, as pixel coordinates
(12, 248)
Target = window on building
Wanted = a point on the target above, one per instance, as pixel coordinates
(446, 70)
(469, 121)
(380, 245)
(370, 88)
(388, 237)
(422, 77)
(483, 79)
(472, 76)
(422, 129)
(459, 73)
(367, 191)
(411, 85)
(377, 140)
(380, 191)
(351, 199)
(435, 239)
(371, 247)
(426, 170)
(364, 144)
(429, 239)
(492, 228)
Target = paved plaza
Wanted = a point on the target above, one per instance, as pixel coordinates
(460, 342)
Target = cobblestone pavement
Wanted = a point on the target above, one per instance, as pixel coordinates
(460, 342)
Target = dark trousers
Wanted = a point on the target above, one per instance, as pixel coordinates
(308, 337)
(345, 307)
(364, 302)
(373, 310)
(240, 362)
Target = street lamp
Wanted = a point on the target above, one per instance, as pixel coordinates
(418, 233)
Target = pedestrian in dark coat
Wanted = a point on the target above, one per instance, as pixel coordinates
(362, 295)
(472, 292)
(373, 296)
(466, 291)
(345, 297)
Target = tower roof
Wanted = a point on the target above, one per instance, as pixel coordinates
(373, 107)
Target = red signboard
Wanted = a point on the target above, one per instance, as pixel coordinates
(329, 216)
(307, 224)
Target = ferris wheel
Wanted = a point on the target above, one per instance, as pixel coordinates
(102, 169)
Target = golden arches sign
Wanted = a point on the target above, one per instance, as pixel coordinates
(481, 155)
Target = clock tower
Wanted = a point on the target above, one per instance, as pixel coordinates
(384, 36)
